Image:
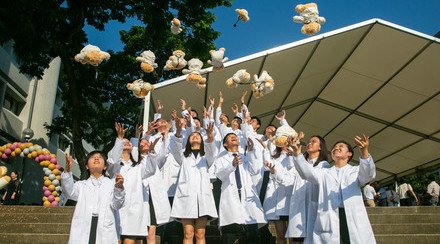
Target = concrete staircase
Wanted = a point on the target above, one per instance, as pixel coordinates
(402, 225)
(36, 224)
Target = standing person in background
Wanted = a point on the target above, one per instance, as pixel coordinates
(433, 190)
(406, 194)
(98, 199)
(382, 196)
(369, 195)
(341, 217)
(12, 193)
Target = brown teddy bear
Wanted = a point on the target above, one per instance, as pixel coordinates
(242, 15)
(176, 61)
(282, 134)
(91, 55)
(175, 26)
(140, 88)
(147, 59)
(194, 73)
(239, 77)
(309, 16)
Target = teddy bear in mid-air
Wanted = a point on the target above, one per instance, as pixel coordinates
(175, 26)
(140, 88)
(147, 59)
(194, 73)
(242, 15)
(218, 58)
(91, 55)
(309, 16)
(176, 61)
(239, 77)
(262, 85)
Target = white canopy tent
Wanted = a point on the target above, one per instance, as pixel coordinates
(373, 77)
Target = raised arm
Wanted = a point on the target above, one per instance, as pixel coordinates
(210, 147)
(70, 189)
(114, 155)
(118, 193)
(367, 168)
(282, 118)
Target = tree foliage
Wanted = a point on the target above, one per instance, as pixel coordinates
(45, 29)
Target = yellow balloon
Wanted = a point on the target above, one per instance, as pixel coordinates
(45, 199)
(39, 151)
(46, 152)
(58, 177)
(46, 204)
(51, 188)
(55, 193)
(53, 155)
(41, 163)
(34, 154)
(56, 171)
(22, 146)
(13, 154)
(2, 149)
(46, 163)
(45, 178)
(47, 182)
(17, 151)
(30, 156)
(57, 199)
(51, 166)
(8, 145)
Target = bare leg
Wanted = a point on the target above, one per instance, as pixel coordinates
(151, 238)
(200, 230)
(188, 230)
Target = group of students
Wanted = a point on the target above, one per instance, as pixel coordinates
(308, 200)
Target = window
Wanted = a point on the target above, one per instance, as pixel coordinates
(12, 104)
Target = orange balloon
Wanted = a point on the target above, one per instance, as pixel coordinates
(22, 146)
(51, 166)
(34, 154)
(46, 204)
(47, 182)
(41, 163)
(2, 149)
(51, 188)
(57, 199)
(56, 171)
(46, 163)
(39, 151)
(8, 145)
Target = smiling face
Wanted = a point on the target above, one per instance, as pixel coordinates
(255, 124)
(127, 145)
(341, 152)
(195, 139)
(144, 145)
(96, 164)
(13, 175)
(269, 132)
(235, 123)
(231, 141)
(161, 125)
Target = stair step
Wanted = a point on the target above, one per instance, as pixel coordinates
(403, 218)
(405, 210)
(432, 228)
(54, 218)
(34, 228)
(408, 238)
(36, 209)
(25, 238)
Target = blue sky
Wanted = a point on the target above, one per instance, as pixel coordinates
(271, 22)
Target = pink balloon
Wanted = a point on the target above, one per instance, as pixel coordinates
(54, 203)
(45, 188)
(8, 150)
(4, 156)
(53, 160)
(47, 193)
(58, 166)
(51, 198)
(12, 147)
(37, 159)
(46, 157)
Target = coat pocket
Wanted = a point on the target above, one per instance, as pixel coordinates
(323, 222)
(183, 189)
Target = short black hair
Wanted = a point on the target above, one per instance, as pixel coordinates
(225, 138)
(350, 148)
(257, 119)
(91, 154)
(239, 119)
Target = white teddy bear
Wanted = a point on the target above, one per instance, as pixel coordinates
(91, 55)
(175, 26)
(218, 59)
(140, 88)
(147, 59)
(240, 76)
(282, 134)
(176, 61)
(262, 85)
(194, 73)
(309, 16)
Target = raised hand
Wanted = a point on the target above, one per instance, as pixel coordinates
(282, 115)
(174, 115)
(182, 104)
(243, 96)
(138, 132)
(120, 130)
(293, 143)
(211, 101)
(237, 160)
(363, 143)
(152, 145)
(234, 108)
(151, 127)
(119, 181)
(220, 99)
(270, 166)
(69, 161)
(210, 132)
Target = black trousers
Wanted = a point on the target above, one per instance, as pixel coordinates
(93, 226)
(236, 233)
(343, 227)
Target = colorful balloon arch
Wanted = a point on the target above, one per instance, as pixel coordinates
(47, 160)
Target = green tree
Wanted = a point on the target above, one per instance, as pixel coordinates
(45, 29)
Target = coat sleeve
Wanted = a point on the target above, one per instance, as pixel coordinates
(284, 176)
(159, 157)
(113, 157)
(223, 169)
(255, 159)
(70, 189)
(176, 149)
(367, 170)
(306, 170)
(118, 198)
(211, 152)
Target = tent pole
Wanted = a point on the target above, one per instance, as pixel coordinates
(146, 111)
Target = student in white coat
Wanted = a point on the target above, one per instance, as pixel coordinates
(194, 202)
(98, 198)
(304, 198)
(341, 217)
(134, 215)
(240, 208)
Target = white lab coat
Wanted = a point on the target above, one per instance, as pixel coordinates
(279, 188)
(134, 216)
(194, 197)
(232, 210)
(303, 205)
(333, 189)
(110, 199)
